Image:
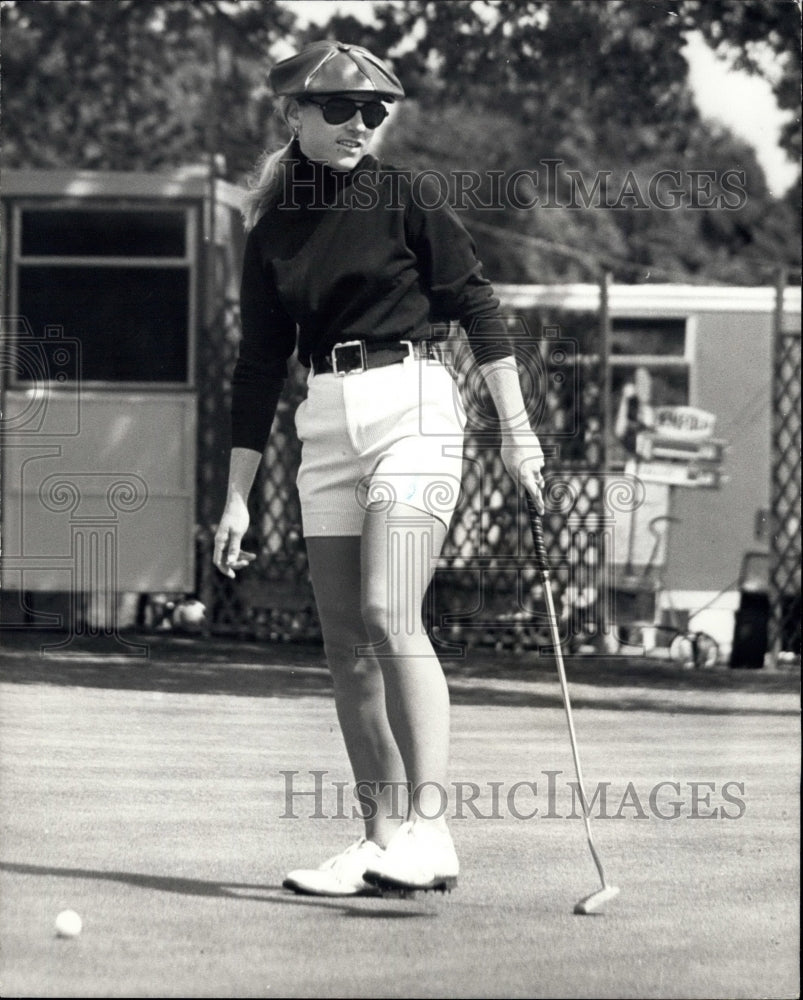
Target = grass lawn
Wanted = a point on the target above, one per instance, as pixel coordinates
(149, 796)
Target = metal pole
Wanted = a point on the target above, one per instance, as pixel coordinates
(606, 576)
(604, 356)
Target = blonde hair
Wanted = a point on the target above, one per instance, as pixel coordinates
(266, 176)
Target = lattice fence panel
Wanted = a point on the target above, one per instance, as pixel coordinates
(217, 354)
(785, 545)
(486, 590)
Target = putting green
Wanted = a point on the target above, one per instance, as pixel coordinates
(150, 798)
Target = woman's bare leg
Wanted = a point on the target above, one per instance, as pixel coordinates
(400, 548)
(335, 569)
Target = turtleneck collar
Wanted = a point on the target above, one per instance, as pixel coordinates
(310, 183)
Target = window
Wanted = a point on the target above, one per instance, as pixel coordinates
(94, 232)
(117, 280)
(649, 361)
(654, 338)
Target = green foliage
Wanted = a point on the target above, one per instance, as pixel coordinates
(600, 89)
(133, 84)
(603, 87)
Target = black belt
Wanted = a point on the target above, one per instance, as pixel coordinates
(355, 356)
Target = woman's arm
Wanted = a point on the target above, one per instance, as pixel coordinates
(458, 289)
(268, 339)
(520, 449)
(228, 555)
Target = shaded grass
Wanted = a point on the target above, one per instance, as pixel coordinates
(217, 666)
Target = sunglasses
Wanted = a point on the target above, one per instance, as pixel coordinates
(337, 110)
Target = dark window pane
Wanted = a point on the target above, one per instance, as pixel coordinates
(132, 323)
(103, 233)
(663, 386)
(649, 336)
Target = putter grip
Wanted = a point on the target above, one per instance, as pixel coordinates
(537, 528)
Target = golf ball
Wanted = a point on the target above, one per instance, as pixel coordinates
(68, 924)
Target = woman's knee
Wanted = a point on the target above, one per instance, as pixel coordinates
(376, 619)
(349, 666)
(393, 632)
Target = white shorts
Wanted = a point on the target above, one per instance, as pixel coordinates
(392, 434)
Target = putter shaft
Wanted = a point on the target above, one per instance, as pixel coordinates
(590, 903)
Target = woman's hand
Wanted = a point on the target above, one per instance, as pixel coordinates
(524, 460)
(229, 557)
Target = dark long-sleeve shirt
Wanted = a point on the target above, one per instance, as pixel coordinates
(375, 254)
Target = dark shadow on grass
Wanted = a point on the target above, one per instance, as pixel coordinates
(214, 666)
(366, 907)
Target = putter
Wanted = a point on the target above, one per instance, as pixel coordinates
(596, 900)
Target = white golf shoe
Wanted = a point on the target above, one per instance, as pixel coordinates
(340, 875)
(418, 856)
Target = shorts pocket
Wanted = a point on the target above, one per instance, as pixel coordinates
(300, 419)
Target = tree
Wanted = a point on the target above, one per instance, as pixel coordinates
(577, 93)
(162, 83)
(762, 37)
(603, 88)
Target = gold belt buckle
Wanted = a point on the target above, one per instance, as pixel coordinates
(363, 358)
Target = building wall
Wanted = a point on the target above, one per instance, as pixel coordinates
(731, 379)
(116, 442)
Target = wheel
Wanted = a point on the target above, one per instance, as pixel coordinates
(694, 650)
(706, 651)
(681, 650)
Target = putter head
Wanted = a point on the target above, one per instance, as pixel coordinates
(594, 902)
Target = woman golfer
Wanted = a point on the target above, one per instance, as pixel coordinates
(346, 265)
